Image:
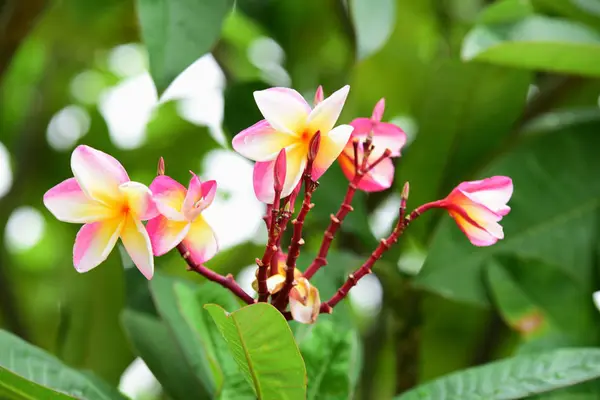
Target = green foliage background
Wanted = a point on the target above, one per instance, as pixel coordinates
(505, 87)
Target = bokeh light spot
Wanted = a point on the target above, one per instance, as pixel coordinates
(24, 229)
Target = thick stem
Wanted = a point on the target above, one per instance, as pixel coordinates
(226, 281)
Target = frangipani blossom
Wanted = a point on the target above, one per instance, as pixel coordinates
(385, 136)
(102, 197)
(290, 124)
(181, 218)
(478, 206)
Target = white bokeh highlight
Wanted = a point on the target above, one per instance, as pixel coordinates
(6, 177)
(138, 382)
(24, 229)
(384, 217)
(367, 296)
(67, 126)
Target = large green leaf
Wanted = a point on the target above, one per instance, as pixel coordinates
(28, 372)
(555, 200)
(537, 43)
(263, 346)
(373, 24)
(178, 32)
(475, 107)
(332, 357)
(162, 355)
(514, 378)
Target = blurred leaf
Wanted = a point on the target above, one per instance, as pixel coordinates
(514, 378)
(373, 24)
(234, 259)
(241, 111)
(263, 346)
(153, 342)
(332, 357)
(537, 43)
(505, 11)
(475, 107)
(21, 362)
(587, 11)
(178, 32)
(553, 202)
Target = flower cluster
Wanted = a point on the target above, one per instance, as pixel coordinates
(293, 146)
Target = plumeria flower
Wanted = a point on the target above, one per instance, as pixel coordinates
(181, 218)
(385, 136)
(478, 206)
(290, 124)
(102, 197)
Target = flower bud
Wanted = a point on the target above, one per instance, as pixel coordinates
(318, 95)
(378, 110)
(313, 148)
(161, 167)
(279, 171)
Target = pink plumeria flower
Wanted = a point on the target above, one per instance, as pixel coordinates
(478, 206)
(181, 219)
(290, 124)
(102, 197)
(385, 136)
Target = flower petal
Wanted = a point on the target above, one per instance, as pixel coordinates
(139, 200)
(477, 235)
(68, 203)
(94, 242)
(324, 116)
(492, 192)
(264, 180)
(193, 195)
(378, 110)
(201, 241)
(385, 136)
(379, 178)
(285, 109)
(261, 142)
(209, 191)
(98, 173)
(168, 195)
(305, 302)
(137, 243)
(331, 146)
(165, 234)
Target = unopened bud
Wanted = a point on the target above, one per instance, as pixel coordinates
(378, 110)
(318, 95)
(313, 147)
(405, 190)
(279, 171)
(160, 170)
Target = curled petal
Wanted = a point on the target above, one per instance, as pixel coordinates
(305, 302)
(193, 195)
(285, 109)
(165, 234)
(274, 283)
(68, 203)
(137, 243)
(98, 173)
(263, 176)
(324, 116)
(476, 234)
(261, 142)
(330, 148)
(168, 195)
(492, 192)
(209, 190)
(94, 242)
(139, 200)
(200, 241)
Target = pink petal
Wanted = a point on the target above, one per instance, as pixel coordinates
(98, 173)
(263, 178)
(477, 235)
(94, 242)
(261, 142)
(385, 135)
(139, 200)
(492, 192)
(378, 110)
(209, 190)
(137, 243)
(326, 113)
(285, 109)
(166, 234)
(68, 203)
(331, 146)
(379, 178)
(201, 241)
(168, 195)
(193, 195)
(318, 95)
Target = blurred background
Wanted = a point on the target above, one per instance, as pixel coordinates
(506, 87)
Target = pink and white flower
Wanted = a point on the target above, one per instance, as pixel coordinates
(478, 206)
(385, 136)
(181, 219)
(290, 124)
(102, 197)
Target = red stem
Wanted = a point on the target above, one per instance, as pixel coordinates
(226, 281)
(270, 251)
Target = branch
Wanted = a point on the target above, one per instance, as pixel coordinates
(226, 281)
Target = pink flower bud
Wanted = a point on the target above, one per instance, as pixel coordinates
(279, 171)
(313, 147)
(378, 110)
(318, 95)
(161, 167)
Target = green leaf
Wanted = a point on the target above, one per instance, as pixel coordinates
(536, 43)
(263, 346)
(553, 202)
(505, 11)
(332, 357)
(514, 378)
(28, 372)
(162, 355)
(178, 32)
(373, 24)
